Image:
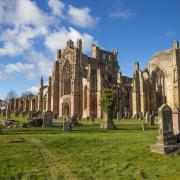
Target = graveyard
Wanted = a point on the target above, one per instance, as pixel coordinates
(86, 152)
(89, 90)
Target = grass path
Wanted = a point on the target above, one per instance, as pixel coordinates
(51, 161)
(86, 153)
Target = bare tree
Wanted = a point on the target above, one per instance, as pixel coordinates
(27, 94)
(11, 94)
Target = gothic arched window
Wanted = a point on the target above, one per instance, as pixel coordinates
(66, 78)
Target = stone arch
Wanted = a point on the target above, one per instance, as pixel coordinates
(158, 77)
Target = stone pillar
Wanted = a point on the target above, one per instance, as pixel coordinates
(55, 88)
(176, 87)
(142, 94)
(136, 98)
(30, 104)
(176, 120)
(49, 95)
(176, 75)
(40, 97)
(99, 86)
(89, 92)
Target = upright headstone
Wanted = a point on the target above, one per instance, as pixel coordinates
(129, 115)
(147, 116)
(47, 118)
(4, 112)
(67, 126)
(92, 117)
(152, 118)
(166, 141)
(73, 120)
(144, 127)
(16, 113)
(125, 113)
(55, 116)
(119, 116)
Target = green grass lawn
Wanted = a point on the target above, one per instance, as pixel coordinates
(20, 118)
(85, 153)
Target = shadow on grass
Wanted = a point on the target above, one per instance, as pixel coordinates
(84, 128)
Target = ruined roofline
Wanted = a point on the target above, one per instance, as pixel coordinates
(96, 53)
(114, 52)
(175, 46)
(159, 53)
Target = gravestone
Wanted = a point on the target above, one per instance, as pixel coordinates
(8, 113)
(73, 120)
(55, 116)
(152, 118)
(119, 116)
(129, 115)
(166, 140)
(35, 122)
(4, 112)
(92, 117)
(16, 114)
(147, 116)
(125, 113)
(47, 118)
(67, 126)
(145, 127)
(79, 117)
(31, 115)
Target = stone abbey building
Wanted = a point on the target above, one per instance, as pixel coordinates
(75, 85)
(76, 82)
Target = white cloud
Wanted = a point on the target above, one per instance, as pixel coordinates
(81, 17)
(119, 10)
(10, 49)
(23, 25)
(58, 39)
(57, 7)
(17, 40)
(23, 21)
(123, 14)
(43, 64)
(22, 12)
(33, 89)
(170, 34)
(11, 69)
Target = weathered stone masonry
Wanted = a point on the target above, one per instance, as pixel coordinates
(75, 85)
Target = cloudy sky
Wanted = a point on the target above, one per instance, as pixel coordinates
(32, 30)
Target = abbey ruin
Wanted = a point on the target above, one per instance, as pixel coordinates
(76, 82)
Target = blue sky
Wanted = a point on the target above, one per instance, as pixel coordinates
(32, 30)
